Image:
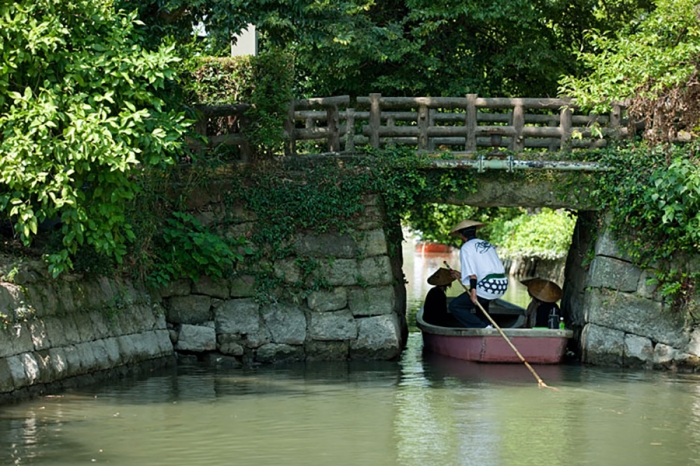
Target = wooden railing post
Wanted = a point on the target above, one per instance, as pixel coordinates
(423, 127)
(290, 145)
(333, 118)
(565, 128)
(431, 123)
(470, 124)
(375, 119)
(554, 144)
(350, 130)
(518, 142)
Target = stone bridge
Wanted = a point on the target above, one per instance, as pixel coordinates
(481, 134)
(619, 318)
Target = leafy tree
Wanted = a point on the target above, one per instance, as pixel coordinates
(80, 113)
(545, 234)
(652, 195)
(433, 222)
(406, 47)
(281, 21)
(653, 64)
(450, 47)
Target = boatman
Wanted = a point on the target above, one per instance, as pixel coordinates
(482, 273)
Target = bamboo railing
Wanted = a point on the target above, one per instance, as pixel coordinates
(459, 124)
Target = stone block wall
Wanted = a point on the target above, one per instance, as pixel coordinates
(55, 331)
(620, 318)
(359, 312)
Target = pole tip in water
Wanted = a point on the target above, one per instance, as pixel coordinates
(541, 384)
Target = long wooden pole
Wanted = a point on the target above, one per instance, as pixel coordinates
(540, 382)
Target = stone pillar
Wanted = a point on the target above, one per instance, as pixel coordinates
(619, 316)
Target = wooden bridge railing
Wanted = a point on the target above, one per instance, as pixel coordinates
(460, 124)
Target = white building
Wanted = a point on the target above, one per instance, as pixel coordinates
(245, 43)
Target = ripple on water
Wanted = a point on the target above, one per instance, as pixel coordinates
(421, 410)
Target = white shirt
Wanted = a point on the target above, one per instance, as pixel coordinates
(478, 257)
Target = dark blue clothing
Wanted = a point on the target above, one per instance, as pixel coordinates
(545, 312)
(465, 311)
(435, 309)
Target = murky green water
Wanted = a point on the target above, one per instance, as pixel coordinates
(422, 410)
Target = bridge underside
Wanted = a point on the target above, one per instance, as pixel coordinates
(527, 184)
(510, 182)
(558, 190)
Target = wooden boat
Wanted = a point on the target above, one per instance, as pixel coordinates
(538, 346)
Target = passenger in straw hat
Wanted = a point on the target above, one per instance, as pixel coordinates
(543, 310)
(481, 271)
(435, 306)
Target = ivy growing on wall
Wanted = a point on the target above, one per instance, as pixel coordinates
(328, 195)
(652, 198)
(653, 202)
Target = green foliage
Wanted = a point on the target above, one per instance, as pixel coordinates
(544, 235)
(81, 111)
(676, 286)
(270, 96)
(414, 47)
(317, 198)
(427, 47)
(433, 222)
(219, 81)
(652, 198)
(517, 233)
(654, 203)
(644, 59)
(280, 21)
(676, 196)
(653, 195)
(264, 81)
(286, 201)
(187, 249)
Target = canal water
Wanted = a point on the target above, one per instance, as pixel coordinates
(421, 410)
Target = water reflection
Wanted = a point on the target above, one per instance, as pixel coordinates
(439, 368)
(424, 410)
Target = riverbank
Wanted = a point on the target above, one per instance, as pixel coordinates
(72, 331)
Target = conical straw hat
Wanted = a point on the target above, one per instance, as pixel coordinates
(441, 277)
(466, 224)
(544, 290)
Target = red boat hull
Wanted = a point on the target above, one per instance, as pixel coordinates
(488, 345)
(494, 348)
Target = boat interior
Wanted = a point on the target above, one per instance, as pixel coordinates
(506, 315)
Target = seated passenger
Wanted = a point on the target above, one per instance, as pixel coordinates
(543, 310)
(435, 306)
